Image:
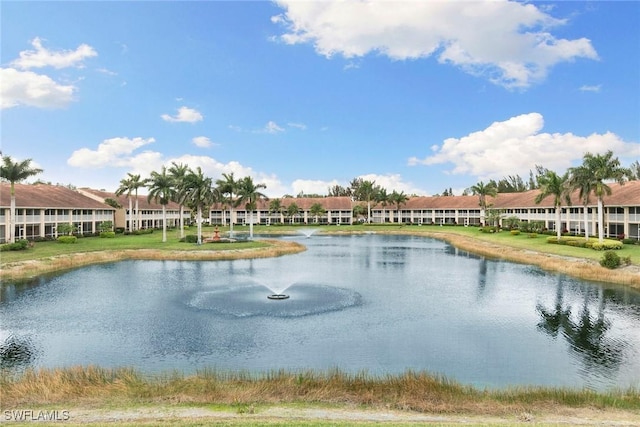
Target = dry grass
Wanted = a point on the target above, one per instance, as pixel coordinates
(36, 267)
(411, 391)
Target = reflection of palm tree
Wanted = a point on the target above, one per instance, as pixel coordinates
(482, 276)
(587, 337)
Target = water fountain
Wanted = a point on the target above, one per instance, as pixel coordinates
(307, 232)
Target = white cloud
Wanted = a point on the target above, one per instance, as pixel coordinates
(114, 152)
(202, 142)
(592, 88)
(31, 89)
(508, 43)
(300, 126)
(516, 146)
(42, 57)
(311, 186)
(392, 182)
(272, 128)
(185, 114)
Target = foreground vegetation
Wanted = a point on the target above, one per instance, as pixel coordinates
(243, 393)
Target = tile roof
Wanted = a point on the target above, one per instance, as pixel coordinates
(143, 203)
(47, 196)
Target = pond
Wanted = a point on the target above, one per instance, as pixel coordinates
(362, 303)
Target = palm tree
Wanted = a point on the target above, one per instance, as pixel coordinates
(135, 183)
(603, 167)
(551, 184)
(365, 191)
(382, 197)
(162, 190)
(483, 190)
(15, 172)
(249, 194)
(275, 207)
(317, 210)
(125, 187)
(198, 194)
(178, 173)
(291, 211)
(228, 185)
(398, 199)
(581, 179)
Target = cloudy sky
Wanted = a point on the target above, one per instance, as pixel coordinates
(419, 96)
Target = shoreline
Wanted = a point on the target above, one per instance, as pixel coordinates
(581, 268)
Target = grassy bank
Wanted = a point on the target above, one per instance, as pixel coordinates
(242, 393)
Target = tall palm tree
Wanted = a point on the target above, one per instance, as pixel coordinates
(135, 183)
(483, 190)
(365, 190)
(125, 187)
(15, 172)
(602, 168)
(162, 190)
(398, 199)
(249, 194)
(382, 198)
(275, 207)
(581, 179)
(198, 194)
(178, 173)
(552, 184)
(229, 186)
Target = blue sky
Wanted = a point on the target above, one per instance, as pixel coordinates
(418, 96)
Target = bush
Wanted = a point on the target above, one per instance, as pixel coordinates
(489, 229)
(190, 238)
(108, 234)
(20, 245)
(533, 235)
(610, 259)
(143, 231)
(67, 239)
(607, 245)
(515, 232)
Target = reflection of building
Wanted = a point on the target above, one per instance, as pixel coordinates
(40, 207)
(149, 214)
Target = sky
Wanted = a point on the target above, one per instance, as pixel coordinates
(418, 96)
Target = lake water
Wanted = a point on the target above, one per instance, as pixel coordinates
(373, 303)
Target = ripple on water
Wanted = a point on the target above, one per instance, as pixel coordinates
(248, 301)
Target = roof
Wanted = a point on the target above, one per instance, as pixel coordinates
(47, 196)
(143, 203)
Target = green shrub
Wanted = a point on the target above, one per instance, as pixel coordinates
(489, 229)
(607, 245)
(610, 259)
(20, 245)
(515, 232)
(143, 231)
(533, 235)
(190, 238)
(108, 234)
(67, 239)
(631, 241)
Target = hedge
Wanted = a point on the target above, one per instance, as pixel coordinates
(580, 242)
(20, 245)
(67, 239)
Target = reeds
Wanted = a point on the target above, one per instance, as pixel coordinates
(412, 391)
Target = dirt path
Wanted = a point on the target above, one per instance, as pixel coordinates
(164, 414)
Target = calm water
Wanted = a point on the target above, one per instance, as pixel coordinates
(381, 304)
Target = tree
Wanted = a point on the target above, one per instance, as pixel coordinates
(275, 207)
(15, 172)
(162, 190)
(125, 187)
(339, 191)
(602, 168)
(136, 182)
(483, 190)
(229, 186)
(317, 210)
(178, 173)
(581, 179)
(365, 191)
(291, 211)
(634, 171)
(198, 194)
(398, 199)
(249, 194)
(552, 184)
